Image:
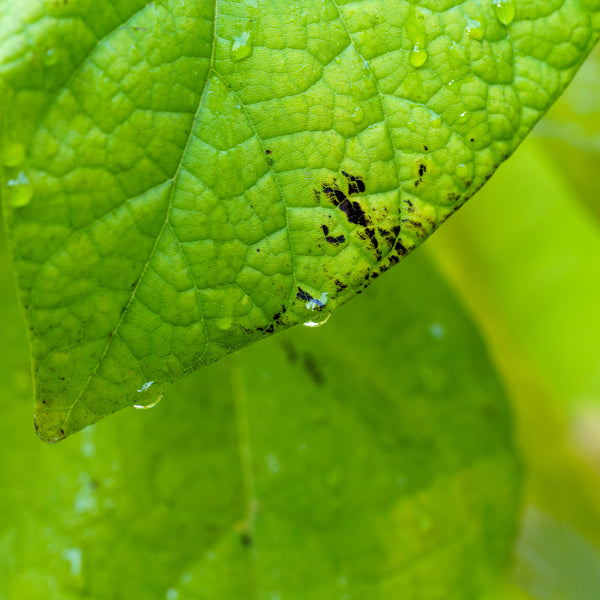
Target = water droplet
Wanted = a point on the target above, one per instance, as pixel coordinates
(462, 171)
(418, 56)
(172, 594)
(151, 404)
(13, 154)
(474, 29)
(463, 117)
(317, 323)
(358, 115)
(435, 121)
(148, 399)
(241, 47)
(146, 386)
(505, 11)
(317, 302)
(19, 192)
(50, 57)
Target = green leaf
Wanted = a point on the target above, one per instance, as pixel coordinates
(329, 463)
(182, 178)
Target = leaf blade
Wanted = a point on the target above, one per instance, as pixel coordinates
(198, 182)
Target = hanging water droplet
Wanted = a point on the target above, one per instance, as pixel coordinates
(148, 399)
(241, 47)
(152, 404)
(505, 11)
(13, 154)
(19, 191)
(474, 29)
(318, 322)
(418, 56)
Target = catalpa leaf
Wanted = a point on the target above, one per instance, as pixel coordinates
(184, 177)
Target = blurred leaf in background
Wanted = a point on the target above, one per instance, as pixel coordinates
(524, 257)
(370, 458)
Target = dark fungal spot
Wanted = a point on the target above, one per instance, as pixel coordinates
(354, 212)
(356, 184)
(267, 151)
(352, 209)
(422, 170)
(415, 223)
(340, 285)
(400, 249)
(304, 296)
(246, 539)
(426, 148)
(340, 239)
(331, 239)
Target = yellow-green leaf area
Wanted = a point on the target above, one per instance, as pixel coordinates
(182, 178)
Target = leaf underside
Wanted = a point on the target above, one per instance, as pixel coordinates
(182, 178)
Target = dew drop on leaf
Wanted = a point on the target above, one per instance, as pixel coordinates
(358, 115)
(463, 117)
(241, 47)
(418, 56)
(19, 192)
(150, 396)
(462, 171)
(152, 404)
(505, 11)
(474, 30)
(317, 323)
